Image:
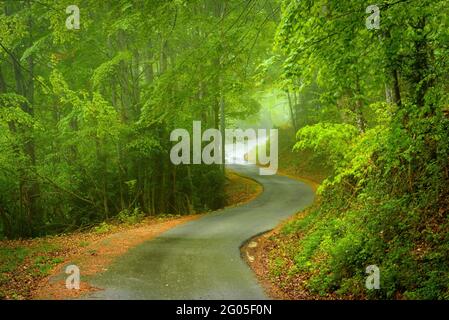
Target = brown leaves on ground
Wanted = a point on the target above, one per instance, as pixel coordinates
(240, 190)
(35, 275)
(34, 269)
(263, 252)
(270, 257)
(258, 253)
(99, 254)
(23, 263)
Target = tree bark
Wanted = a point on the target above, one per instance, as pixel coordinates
(292, 113)
(359, 117)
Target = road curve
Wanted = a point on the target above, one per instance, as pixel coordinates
(201, 259)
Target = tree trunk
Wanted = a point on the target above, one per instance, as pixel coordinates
(292, 113)
(360, 119)
(2, 81)
(25, 86)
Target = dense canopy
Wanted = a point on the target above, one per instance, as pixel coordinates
(86, 114)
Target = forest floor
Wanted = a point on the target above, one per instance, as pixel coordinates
(28, 268)
(257, 254)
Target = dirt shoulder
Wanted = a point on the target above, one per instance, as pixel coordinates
(35, 268)
(257, 252)
(240, 190)
(99, 254)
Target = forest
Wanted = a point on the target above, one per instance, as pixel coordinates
(86, 115)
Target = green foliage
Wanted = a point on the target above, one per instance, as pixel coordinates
(43, 264)
(327, 140)
(130, 216)
(385, 202)
(103, 227)
(382, 206)
(86, 115)
(109, 69)
(11, 258)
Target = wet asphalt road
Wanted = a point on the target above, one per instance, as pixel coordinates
(201, 259)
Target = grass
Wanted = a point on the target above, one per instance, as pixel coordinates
(10, 258)
(21, 265)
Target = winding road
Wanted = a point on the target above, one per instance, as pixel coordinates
(201, 259)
